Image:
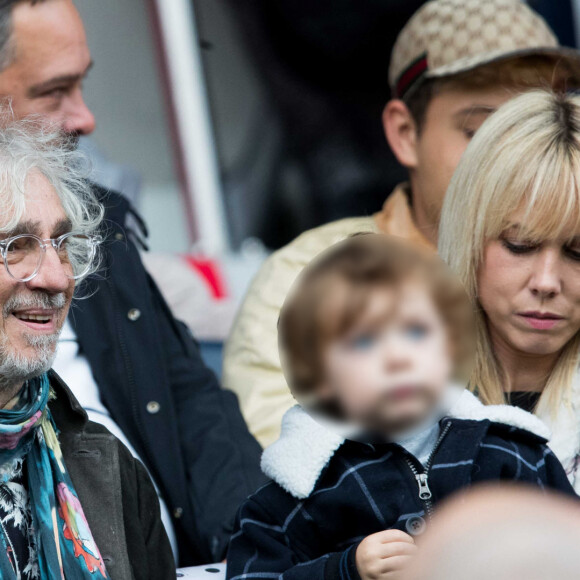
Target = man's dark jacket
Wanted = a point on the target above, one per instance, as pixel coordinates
(188, 431)
(329, 493)
(118, 498)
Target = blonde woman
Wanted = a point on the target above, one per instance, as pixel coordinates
(510, 228)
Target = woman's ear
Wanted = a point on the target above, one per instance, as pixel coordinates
(401, 132)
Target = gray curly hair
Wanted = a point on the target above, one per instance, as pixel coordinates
(26, 146)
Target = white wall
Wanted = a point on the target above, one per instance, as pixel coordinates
(125, 93)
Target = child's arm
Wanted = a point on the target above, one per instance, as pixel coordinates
(384, 555)
(553, 474)
(542, 469)
(521, 461)
(262, 547)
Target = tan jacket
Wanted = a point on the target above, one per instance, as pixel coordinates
(251, 362)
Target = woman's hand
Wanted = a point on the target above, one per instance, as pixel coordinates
(384, 555)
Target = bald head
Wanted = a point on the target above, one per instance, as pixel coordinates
(504, 534)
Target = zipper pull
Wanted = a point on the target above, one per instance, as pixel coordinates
(424, 491)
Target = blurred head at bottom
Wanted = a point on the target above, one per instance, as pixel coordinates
(510, 533)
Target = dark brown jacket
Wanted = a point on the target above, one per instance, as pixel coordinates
(118, 498)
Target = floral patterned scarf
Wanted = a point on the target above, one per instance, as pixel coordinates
(64, 544)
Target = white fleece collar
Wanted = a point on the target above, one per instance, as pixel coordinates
(565, 427)
(305, 447)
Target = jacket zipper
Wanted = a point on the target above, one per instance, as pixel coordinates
(422, 477)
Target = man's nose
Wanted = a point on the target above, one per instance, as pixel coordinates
(79, 120)
(545, 280)
(52, 275)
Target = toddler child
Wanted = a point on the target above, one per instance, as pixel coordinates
(374, 337)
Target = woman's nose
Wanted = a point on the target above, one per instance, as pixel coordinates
(545, 280)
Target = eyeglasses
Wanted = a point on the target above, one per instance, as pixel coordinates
(23, 254)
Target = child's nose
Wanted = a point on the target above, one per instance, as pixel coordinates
(396, 361)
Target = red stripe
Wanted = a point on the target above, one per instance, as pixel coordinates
(211, 273)
(410, 75)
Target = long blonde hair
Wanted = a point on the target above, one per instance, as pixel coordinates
(526, 157)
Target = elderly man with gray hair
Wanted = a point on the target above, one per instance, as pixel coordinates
(73, 501)
(134, 368)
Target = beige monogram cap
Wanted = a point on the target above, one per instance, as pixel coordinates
(446, 37)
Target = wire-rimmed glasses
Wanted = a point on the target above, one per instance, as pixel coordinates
(23, 254)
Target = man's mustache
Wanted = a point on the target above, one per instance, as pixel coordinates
(71, 140)
(40, 300)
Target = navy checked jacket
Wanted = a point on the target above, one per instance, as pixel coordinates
(368, 488)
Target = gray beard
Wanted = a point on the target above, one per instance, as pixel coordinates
(16, 368)
(71, 141)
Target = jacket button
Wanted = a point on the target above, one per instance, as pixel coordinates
(134, 314)
(415, 525)
(177, 513)
(153, 407)
(119, 237)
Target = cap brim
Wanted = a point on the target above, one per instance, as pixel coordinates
(569, 55)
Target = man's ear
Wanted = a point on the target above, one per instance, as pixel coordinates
(401, 132)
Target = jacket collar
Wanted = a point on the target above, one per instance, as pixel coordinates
(565, 427)
(305, 447)
(65, 408)
(396, 218)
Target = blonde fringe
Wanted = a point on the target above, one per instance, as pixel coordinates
(494, 180)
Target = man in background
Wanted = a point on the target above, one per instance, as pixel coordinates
(135, 368)
(453, 65)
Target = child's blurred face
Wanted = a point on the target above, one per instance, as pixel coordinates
(389, 372)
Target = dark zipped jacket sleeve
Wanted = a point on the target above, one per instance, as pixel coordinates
(188, 431)
(556, 477)
(263, 546)
(526, 462)
(221, 457)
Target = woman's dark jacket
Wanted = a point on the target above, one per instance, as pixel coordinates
(188, 431)
(118, 498)
(329, 493)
